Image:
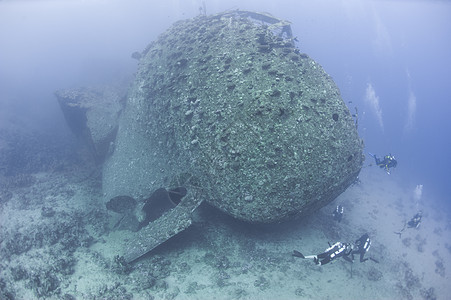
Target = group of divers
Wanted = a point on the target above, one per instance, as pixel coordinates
(362, 244)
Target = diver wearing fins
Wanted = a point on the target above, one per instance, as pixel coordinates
(413, 223)
(334, 251)
(338, 213)
(362, 245)
(388, 162)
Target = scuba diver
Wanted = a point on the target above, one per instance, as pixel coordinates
(334, 251)
(362, 245)
(388, 162)
(338, 213)
(413, 223)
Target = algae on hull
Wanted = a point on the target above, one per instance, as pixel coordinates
(233, 103)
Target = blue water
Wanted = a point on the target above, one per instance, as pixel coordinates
(391, 59)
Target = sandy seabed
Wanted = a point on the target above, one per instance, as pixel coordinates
(57, 242)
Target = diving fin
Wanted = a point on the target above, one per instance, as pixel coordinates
(298, 254)
(400, 232)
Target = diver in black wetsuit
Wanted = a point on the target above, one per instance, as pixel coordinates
(413, 223)
(338, 213)
(334, 251)
(362, 245)
(388, 162)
